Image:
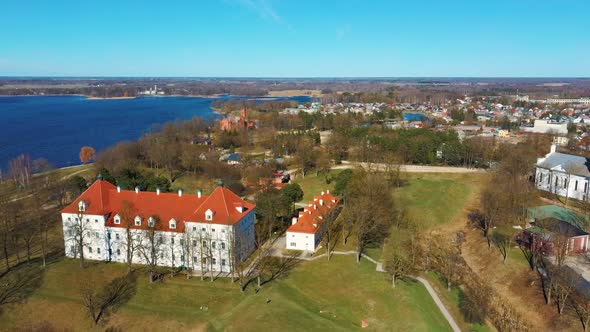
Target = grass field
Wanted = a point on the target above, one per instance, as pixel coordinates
(437, 199)
(316, 296)
(312, 184)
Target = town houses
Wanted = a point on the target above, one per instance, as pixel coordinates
(306, 230)
(564, 175)
(194, 231)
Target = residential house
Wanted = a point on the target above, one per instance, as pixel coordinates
(307, 229)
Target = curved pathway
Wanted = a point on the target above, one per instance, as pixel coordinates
(379, 268)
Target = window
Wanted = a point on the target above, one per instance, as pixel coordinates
(172, 223)
(205, 244)
(76, 219)
(213, 261)
(212, 229)
(293, 235)
(194, 243)
(540, 177)
(195, 259)
(172, 239)
(222, 245)
(89, 249)
(222, 230)
(117, 220)
(223, 262)
(82, 206)
(576, 185)
(293, 244)
(151, 222)
(173, 257)
(203, 229)
(72, 249)
(98, 250)
(194, 228)
(87, 219)
(138, 221)
(181, 242)
(95, 220)
(213, 244)
(565, 183)
(182, 258)
(69, 219)
(118, 252)
(209, 214)
(97, 235)
(117, 236)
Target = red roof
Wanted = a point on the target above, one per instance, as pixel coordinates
(102, 198)
(314, 214)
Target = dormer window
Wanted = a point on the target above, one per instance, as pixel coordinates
(151, 222)
(209, 214)
(138, 221)
(172, 223)
(82, 206)
(117, 220)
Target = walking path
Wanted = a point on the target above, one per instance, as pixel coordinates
(379, 268)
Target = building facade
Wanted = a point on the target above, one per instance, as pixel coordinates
(306, 230)
(197, 232)
(564, 175)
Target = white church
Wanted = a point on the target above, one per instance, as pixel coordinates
(198, 232)
(564, 174)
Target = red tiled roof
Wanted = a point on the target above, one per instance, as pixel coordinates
(312, 213)
(102, 198)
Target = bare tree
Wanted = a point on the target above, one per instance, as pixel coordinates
(581, 306)
(77, 231)
(332, 229)
(127, 214)
(504, 243)
(150, 247)
(100, 302)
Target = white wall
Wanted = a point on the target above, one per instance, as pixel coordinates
(563, 184)
(188, 249)
(300, 241)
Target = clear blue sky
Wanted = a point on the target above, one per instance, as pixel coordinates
(295, 38)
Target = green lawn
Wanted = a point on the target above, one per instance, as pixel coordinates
(316, 296)
(436, 199)
(312, 184)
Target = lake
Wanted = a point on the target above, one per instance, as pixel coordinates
(56, 127)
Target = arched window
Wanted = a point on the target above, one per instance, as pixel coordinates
(82, 206)
(138, 221)
(151, 222)
(172, 223)
(117, 220)
(209, 214)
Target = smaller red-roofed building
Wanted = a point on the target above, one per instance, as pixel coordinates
(195, 231)
(307, 229)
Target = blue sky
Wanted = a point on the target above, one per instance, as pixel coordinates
(295, 38)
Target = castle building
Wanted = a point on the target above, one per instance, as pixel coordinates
(194, 231)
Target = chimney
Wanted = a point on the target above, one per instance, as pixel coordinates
(157, 191)
(328, 191)
(553, 148)
(321, 202)
(322, 193)
(137, 190)
(118, 189)
(240, 208)
(179, 192)
(199, 193)
(294, 221)
(315, 225)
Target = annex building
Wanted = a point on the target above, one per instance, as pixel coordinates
(306, 230)
(564, 175)
(194, 231)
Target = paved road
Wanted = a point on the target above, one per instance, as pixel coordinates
(411, 168)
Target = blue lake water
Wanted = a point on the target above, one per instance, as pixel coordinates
(56, 127)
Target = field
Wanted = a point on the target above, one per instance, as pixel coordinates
(312, 184)
(317, 295)
(437, 199)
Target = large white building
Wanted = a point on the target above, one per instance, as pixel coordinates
(306, 230)
(564, 174)
(198, 232)
(547, 127)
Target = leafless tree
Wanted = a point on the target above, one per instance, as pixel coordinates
(127, 214)
(21, 170)
(150, 247)
(563, 287)
(77, 231)
(106, 299)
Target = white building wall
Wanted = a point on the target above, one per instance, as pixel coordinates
(300, 241)
(562, 184)
(203, 246)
